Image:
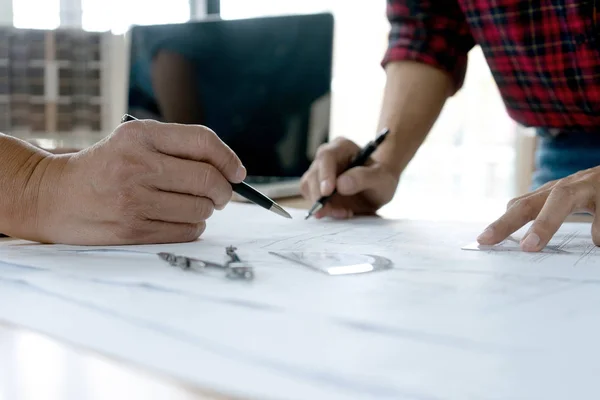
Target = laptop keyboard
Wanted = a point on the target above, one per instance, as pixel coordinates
(257, 180)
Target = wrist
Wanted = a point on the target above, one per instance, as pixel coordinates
(38, 197)
(392, 153)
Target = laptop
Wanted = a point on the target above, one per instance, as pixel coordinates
(263, 85)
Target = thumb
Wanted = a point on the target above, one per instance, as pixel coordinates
(358, 179)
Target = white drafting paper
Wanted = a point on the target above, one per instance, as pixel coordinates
(442, 323)
(558, 245)
(565, 242)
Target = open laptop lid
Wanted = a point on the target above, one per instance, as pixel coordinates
(262, 84)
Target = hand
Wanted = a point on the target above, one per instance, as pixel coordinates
(548, 207)
(148, 182)
(360, 190)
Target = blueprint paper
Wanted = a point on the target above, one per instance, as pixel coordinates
(442, 323)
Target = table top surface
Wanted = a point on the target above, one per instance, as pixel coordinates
(33, 365)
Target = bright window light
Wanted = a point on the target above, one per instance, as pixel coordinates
(236, 9)
(118, 16)
(45, 16)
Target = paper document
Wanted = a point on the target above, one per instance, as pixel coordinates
(439, 323)
(565, 242)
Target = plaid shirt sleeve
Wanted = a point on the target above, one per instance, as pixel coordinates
(433, 32)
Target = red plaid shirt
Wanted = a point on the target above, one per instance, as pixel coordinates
(544, 55)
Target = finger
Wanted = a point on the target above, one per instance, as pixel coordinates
(337, 208)
(311, 185)
(514, 218)
(328, 210)
(561, 202)
(330, 160)
(341, 213)
(192, 142)
(178, 208)
(596, 223)
(546, 186)
(304, 188)
(326, 174)
(154, 232)
(358, 179)
(324, 212)
(190, 177)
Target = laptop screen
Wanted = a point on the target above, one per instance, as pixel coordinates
(262, 84)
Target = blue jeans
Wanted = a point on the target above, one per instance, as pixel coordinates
(564, 154)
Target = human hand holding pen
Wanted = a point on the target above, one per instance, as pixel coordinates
(147, 182)
(359, 190)
(242, 188)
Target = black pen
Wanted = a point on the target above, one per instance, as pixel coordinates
(244, 190)
(357, 161)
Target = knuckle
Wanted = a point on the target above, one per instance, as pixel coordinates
(511, 203)
(226, 195)
(132, 131)
(204, 208)
(208, 177)
(214, 185)
(565, 192)
(308, 176)
(205, 138)
(323, 151)
(200, 228)
(304, 183)
(191, 232)
(232, 162)
(586, 173)
(344, 143)
(340, 141)
(128, 168)
(125, 132)
(525, 207)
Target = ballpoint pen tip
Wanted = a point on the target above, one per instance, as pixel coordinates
(277, 209)
(316, 207)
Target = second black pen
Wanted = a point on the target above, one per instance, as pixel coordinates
(359, 160)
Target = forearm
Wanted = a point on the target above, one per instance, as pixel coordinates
(22, 170)
(413, 99)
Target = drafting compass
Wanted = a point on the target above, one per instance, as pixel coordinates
(234, 268)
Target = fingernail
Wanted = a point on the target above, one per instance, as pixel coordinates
(346, 183)
(531, 241)
(325, 187)
(241, 173)
(486, 235)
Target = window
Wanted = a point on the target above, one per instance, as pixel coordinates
(118, 15)
(46, 15)
(98, 15)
